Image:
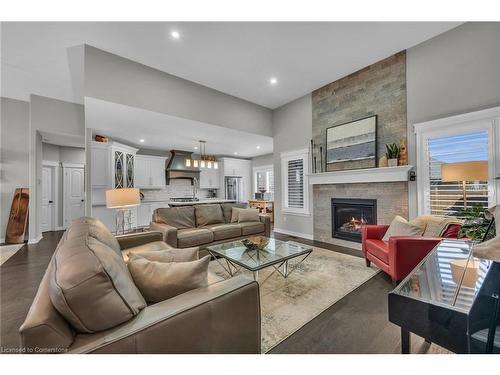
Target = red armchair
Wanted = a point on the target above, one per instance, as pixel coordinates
(399, 256)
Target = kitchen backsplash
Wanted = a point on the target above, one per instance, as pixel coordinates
(176, 189)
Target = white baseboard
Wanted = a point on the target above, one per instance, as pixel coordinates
(295, 234)
(34, 240)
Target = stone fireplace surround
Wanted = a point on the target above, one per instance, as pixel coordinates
(392, 200)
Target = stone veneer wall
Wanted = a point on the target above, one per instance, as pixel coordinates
(392, 200)
(379, 89)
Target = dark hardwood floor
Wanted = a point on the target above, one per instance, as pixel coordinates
(355, 324)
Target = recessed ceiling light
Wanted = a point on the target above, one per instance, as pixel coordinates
(196, 147)
(141, 140)
(175, 34)
(273, 81)
(258, 147)
(235, 153)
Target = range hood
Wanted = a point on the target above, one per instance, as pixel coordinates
(176, 167)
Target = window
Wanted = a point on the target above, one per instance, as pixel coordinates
(449, 197)
(457, 162)
(294, 169)
(264, 181)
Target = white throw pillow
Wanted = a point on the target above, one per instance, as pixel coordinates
(401, 227)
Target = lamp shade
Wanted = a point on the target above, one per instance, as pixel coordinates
(121, 198)
(466, 171)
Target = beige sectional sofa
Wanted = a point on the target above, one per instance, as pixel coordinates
(87, 302)
(205, 224)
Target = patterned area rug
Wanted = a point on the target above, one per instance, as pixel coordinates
(7, 251)
(320, 281)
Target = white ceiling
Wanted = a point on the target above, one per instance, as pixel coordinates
(164, 132)
(235, 58)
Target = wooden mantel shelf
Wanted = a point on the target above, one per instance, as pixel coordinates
(387, 174)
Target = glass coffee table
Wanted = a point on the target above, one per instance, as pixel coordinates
(234, 256)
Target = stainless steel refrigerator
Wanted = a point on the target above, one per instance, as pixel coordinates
(234, 188)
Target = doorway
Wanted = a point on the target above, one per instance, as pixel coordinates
(73, 192)
(50, 182)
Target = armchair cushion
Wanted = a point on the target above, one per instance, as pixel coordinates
(159, 281)
(149, 247)
(401, 227)
(136, 239)
(378, 248)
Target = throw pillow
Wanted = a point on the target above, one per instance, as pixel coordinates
(188, 254)
(248, 214)
(160, 281)
(401, 227)
(235, 214)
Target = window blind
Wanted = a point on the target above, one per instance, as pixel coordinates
(446, 198)
(270, 181)
(261, 181)
(296, 183)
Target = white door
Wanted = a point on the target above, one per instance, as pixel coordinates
(48, 214)
(74, 194)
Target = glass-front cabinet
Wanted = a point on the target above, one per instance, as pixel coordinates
(123, 165)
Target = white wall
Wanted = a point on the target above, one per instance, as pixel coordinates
(292, 130)
(119, 80)
(51, 116)
(455, 72)
(14, 154)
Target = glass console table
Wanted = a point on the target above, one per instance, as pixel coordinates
(451, 299)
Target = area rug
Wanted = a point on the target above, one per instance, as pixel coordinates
(7, 251)
(320, 281)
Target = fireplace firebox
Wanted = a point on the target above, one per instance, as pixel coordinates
(349, 215)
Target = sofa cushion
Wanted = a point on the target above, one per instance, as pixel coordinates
(177, 217)
(207, 214)
(248, 215)
(89, 283)
(99, 231)
(227, 210)
(170, 255)
(251, 227)
(378, 248)
(148, 247)
(225, 231)
(159, 281)
(193, 237)
(401, 227)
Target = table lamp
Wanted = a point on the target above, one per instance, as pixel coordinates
(465, 171)
(122, 200)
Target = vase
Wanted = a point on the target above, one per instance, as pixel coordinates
(382, 162)
(392, 162)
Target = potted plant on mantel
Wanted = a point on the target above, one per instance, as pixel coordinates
(392, 154)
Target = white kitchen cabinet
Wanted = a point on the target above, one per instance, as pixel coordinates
(112, 165)
(209, 179)
(150, 172)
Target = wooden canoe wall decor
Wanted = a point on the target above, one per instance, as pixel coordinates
(18, 218)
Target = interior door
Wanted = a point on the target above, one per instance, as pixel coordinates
(47, 199)
(74, 194)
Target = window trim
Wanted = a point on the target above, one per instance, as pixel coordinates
(488, 120)
(285, 158)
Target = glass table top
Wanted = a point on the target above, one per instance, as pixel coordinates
(275, 252)
(448, 276)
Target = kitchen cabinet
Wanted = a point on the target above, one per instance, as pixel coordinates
(112, 165)
(149, 172)
(209, 179)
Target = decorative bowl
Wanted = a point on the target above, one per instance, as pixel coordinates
(255, 242)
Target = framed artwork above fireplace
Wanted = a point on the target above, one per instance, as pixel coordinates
(352, 145)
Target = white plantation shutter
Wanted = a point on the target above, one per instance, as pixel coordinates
(270, 182)
(446, 198)
(296, 183)
(261, 181)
